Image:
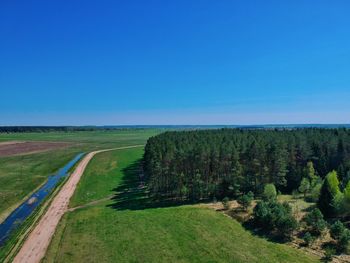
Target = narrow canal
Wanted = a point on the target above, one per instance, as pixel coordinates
(21, 213)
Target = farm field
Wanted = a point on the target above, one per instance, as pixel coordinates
(21, 174)
(89, 139)
(19, 148)
(127, 228)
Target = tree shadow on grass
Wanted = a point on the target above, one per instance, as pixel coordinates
(269, 235)
(131, 194)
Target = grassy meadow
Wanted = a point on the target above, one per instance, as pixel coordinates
(103, 174)
(20, 175)
(129, 228)
(87, 139)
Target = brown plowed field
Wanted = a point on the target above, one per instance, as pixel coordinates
(17, 147)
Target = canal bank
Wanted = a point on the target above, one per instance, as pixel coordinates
(21, 221)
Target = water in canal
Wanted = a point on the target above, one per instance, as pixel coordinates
(21, 213)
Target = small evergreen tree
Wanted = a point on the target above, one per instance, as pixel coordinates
(225, 203)
(246, 200)
(270, 192)
(315, 221)
(341, 234)
(311, 173)
(343, 241)
(328, 254)
(346, 200)
(337, 229)
(262, 215)
(329, 191)
(315, 192)
(308, 238)
(275, 216)
(279, 168)
(345, 180)
(286, 224)
(304, 186)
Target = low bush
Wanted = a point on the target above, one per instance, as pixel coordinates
(308, 239)
(340, 234)
(328, 254)
(225, 203)
(246, 200)
(269, 193)
(315, 222)
(276, 217)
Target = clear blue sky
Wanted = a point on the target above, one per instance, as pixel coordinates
(174, 62)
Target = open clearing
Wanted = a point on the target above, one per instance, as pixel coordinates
(128, 228)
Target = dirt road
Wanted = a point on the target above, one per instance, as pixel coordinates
(35, 246)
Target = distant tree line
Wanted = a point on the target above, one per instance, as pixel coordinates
(21, 129)
(195, 165)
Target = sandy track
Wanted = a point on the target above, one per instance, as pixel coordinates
(35, 246)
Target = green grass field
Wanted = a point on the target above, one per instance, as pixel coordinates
(98, 138)
(21, 175)
(130, 229)
(103, 174)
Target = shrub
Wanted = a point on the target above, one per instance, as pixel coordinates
(315, 221)
(337, 229)
(286, 225)
(347, 198)
(275, 216)
(347, 191)
(295, 194)
(343, 241)
(270, 192)
(329, 253)
(308, 238)
(315, 192)
(225, 203)
(341, 234)
(246, 200)
(338, 204)
(304, 186)
(262, 215)
(332, 201)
